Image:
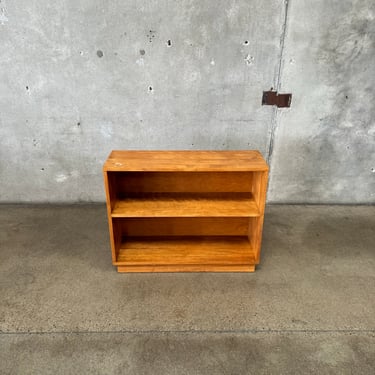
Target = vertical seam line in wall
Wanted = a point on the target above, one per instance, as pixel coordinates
(278, 83)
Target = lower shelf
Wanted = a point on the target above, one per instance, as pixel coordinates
(186, 254)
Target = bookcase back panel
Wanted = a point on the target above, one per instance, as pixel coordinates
(183, 226)
(183, 182)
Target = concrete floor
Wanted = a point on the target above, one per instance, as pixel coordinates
(309, 308)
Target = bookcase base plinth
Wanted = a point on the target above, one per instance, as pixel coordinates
(182, 268)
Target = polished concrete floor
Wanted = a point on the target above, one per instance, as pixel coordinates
(308, 309)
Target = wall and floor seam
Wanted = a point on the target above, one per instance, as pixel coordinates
(191, 331)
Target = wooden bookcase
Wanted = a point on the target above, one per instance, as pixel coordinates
(185, 211)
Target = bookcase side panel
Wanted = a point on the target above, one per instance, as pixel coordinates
(259, 189)
(108, 184)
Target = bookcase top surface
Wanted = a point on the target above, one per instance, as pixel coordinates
(185, 161)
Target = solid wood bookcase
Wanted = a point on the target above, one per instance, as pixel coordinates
(185, 211)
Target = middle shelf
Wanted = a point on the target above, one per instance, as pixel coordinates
(186, 205)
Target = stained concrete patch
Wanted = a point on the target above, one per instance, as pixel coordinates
(188, 353)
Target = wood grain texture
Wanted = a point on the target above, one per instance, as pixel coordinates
(183, 226)
(110, 196)
(186, 205)
(185, 161)
(154, 251)
(259, 189)
(185, 211)
(188, 268)
(183, 182)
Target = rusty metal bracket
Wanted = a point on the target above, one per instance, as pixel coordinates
(273, 98)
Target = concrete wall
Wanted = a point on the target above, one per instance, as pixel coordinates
(324, 145)
(79, 78)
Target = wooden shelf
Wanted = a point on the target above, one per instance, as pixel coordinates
(185, 161)
(186, 205)
(185, 211)
(182, 253)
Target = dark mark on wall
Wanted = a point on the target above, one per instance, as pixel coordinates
(99, 53)
(169, 43)
(142, 51)
(42, 169)
(27, 88)
(249, 59)
(274, 98)
(151, 35)
(246, 42)
(150, 88)
(78, 124)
